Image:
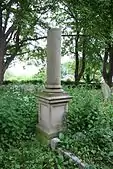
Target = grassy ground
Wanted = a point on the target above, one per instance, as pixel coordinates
(89, 132)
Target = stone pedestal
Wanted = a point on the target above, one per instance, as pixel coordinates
(52, 111)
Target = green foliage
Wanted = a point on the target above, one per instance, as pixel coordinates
(67, 68)
(40, 76)
(85, 113)
(22, 24)
(32, 155)
(94, 20)
(17, 116)
(18, 146)
(89, 133)
(90, 128)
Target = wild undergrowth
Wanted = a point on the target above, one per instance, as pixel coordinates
(17, 116)
(19, 148)
(89, 124)
(89, 133)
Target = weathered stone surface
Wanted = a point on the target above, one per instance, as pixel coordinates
(53, 101)
(52, 110)
(106, 91)
(54, 60)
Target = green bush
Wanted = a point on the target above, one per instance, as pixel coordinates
(83, 110)
(90, 127)
(17, 116)
(40, 76)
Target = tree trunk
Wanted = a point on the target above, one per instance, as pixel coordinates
(104, 72)
(5, 37)
(110, 74)
(76, 59)
(1, 65)
(1, 49)
(108, 66)
(83, 60)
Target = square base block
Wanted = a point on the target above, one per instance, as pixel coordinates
(52, 111)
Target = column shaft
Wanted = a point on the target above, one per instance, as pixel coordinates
(54, 59)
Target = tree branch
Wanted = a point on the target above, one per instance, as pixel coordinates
(9, 38)
(9, 31)
(69, 10)
(74, 35)
(6, 20)
(18, 54)
(7, 15)
(17, 47)
(100, 57)
(44, 37)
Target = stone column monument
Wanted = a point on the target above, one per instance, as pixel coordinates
(53, 100)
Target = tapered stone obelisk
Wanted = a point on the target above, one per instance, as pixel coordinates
(53, 100)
